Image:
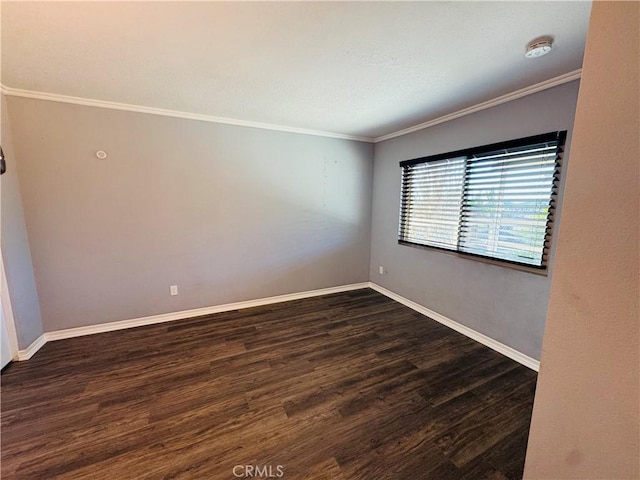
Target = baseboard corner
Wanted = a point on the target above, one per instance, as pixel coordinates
(32, 349)
(499, 347)
(195, 312)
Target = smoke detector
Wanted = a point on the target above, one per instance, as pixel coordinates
(538, 48)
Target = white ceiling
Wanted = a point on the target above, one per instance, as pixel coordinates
(354, 68)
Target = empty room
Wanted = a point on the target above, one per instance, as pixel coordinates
(320, 240)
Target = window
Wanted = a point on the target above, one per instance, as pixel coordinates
(495, 201)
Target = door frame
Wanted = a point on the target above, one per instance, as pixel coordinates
(7, 312)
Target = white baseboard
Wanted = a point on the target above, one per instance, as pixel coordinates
(30, 351)
(169, 317)
(196, 312)
(505, 350)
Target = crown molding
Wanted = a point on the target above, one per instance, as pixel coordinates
(90, 102)
(54, 97)
(523, 92)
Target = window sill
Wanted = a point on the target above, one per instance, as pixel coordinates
(514, 266)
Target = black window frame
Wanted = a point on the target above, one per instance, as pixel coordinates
(557, 136)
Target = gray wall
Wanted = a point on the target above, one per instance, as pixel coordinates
(15, 247)
(505, 304)
(230, 213)
(226, 213)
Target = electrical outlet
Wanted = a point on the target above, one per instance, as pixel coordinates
(381, 270)
(173, 289)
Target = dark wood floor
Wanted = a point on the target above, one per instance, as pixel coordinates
(344, 386)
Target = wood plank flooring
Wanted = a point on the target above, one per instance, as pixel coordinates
(339, 387)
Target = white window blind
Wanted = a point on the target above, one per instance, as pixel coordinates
(495, 201)
(431, 207)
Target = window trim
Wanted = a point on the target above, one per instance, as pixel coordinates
(559, 136)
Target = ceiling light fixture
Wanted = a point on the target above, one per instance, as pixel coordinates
(538, 47)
